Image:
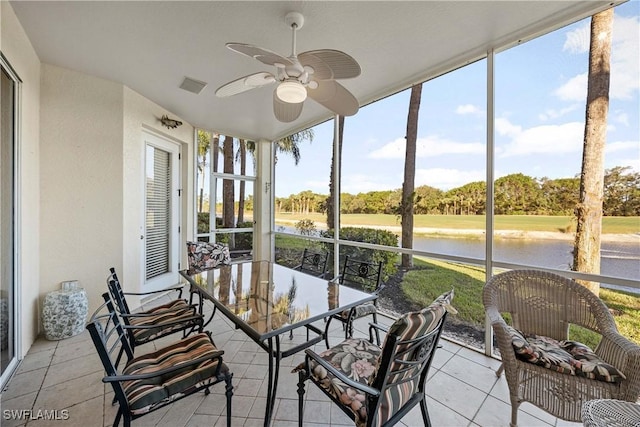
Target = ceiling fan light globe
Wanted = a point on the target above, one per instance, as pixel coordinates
(292, 92)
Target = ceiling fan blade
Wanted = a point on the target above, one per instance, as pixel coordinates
(285, 111)
(335, 97)
(244, 84)
(330, 64)
(263, 55)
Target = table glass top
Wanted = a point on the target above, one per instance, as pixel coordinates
(268, 297)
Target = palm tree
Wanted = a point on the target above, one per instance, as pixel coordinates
(228, 189)
(204, 143)
(291, 144)
(586, 254)
(242, 154)
(331, 220)
(408, 186)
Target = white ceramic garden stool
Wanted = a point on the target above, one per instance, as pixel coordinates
(64, 313)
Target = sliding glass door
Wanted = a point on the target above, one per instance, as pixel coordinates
(8, 319)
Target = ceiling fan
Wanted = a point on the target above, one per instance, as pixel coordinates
(310, 74)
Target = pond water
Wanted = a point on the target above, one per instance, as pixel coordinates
(618, 259)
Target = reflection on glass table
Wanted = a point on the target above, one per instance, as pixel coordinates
(266, 300)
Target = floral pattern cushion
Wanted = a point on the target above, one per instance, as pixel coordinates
(588, 364)
(567, 357)
(354, 357)
(205, 256)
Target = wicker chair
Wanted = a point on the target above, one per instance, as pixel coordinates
(546, 304)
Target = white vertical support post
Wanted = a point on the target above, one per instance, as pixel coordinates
(488, 334)
(336, 195)
(263, 247)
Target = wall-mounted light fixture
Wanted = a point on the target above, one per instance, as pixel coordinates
(170, 123)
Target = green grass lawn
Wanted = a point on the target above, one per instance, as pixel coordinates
(610, 225)
(424, 285)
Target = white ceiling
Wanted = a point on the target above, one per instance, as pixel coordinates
(151, 46)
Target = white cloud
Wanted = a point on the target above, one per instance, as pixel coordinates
(446, 179)
(504, 127)
(555, 114)
(431, 146)
(633, 162)
(573, 90)
(613, 147)
(363, 183)
(469, 109)
(556, 139)
(577, 41)
(621, 117)
(625, 63)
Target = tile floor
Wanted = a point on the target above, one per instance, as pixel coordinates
(66, 375)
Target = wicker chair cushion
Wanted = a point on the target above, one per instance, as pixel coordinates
(205, 256)
(355, 358)
(144, 395)
(166, 319)
(567, 357)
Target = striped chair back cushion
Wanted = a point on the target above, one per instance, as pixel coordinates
(407, 327)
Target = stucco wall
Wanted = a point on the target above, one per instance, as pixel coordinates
(81, 186)
(16, 47)
(81, 174)
(141, 114)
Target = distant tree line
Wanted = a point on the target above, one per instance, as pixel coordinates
(515, 194)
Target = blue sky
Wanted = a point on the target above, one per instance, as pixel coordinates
(541, 91)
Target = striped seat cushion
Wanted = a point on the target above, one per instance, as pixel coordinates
(144, 395)
(165, 319)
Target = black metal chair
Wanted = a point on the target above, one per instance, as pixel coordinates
(151, 381)
(313, 263)
(178, 315)
(367, 275)
(381, 384)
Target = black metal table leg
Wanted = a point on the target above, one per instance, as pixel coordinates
(272, 386)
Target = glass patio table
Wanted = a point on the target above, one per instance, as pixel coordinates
(266, 300)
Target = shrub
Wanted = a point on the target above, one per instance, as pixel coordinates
(306, 227)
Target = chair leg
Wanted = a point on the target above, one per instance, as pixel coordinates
(375, 320)
(326, 332)
(514, 412)
(500, 369)
(425, 411)
(116, 421)
(301, 379)
(229, 394)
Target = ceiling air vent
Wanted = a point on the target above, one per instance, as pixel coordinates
(192, 85)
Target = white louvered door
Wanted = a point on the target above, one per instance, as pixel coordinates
(161, 251)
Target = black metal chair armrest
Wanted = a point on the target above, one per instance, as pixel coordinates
(118, 378)
(348, 381)
(156, 292)
(377, 327)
